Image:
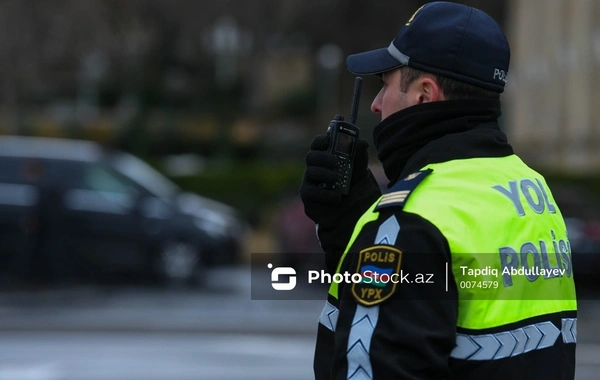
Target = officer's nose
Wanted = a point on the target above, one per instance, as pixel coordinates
(377, 102)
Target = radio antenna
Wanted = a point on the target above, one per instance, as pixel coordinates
(355, 100)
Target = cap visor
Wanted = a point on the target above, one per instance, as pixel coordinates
(371, 62)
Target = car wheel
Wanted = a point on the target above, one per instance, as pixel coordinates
(180, 263)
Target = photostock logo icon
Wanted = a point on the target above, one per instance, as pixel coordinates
(282, 271)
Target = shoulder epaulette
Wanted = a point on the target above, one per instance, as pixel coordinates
(399, 193)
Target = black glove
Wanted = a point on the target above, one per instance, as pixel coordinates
(335, 214)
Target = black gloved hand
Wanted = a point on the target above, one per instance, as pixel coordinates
(334, 213)
(320, 175)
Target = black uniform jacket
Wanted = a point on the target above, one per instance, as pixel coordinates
(411, 334)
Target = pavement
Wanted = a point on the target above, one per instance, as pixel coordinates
(157, 356)
(142, 333)
(228, 334)
(224, 306)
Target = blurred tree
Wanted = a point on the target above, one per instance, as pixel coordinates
(154, 53)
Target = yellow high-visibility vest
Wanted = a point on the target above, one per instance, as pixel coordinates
(499, 214)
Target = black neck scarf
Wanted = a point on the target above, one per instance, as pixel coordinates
(401, 135)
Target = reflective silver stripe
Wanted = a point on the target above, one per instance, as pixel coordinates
(329, 316)
(521, 337)
(569, 330)
(359, 342)
(394, 52)
(365, 318)
(388, 231)
(515, 342)
(507, 344)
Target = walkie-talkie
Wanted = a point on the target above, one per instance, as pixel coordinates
(343, 142)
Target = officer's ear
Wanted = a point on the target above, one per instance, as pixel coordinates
(428, 90)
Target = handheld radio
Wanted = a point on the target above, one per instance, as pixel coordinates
(343, 142)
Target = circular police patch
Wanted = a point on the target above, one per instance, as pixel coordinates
(379, 267)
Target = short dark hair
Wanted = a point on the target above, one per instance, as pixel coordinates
(451, 88)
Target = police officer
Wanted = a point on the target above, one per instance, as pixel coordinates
(462, 269)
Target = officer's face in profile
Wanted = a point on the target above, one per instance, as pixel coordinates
(392, 99)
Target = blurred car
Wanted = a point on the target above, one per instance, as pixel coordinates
(581, 209)
(99, 218)
(584, 236)
(222, 222)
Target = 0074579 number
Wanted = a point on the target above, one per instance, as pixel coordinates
(478, 284)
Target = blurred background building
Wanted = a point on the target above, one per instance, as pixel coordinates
(553, 88)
